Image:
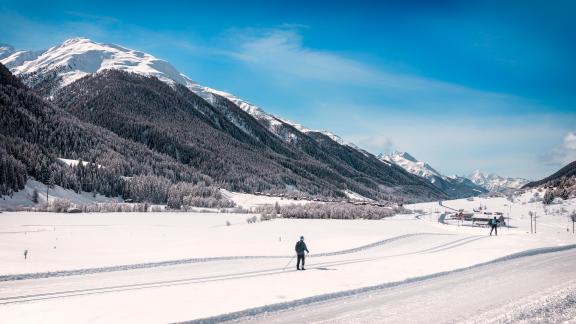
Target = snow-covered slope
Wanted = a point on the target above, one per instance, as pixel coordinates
(281, 127)
(23, 198)
(455, 186)
(493, 182)
(77, 57)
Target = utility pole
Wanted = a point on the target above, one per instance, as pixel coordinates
(535, 222)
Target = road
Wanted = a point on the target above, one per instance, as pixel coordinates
(539, 288)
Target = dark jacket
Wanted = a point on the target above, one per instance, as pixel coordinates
(301, 247)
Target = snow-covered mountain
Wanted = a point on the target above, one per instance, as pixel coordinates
(82, 77)
(454, 186)
(493, 182)
(77, 57)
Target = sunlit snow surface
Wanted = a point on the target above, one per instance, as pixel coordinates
(169, 267)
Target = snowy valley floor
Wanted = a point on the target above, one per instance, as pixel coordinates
(172, 267)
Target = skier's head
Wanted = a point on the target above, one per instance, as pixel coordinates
(301, 238)
(494, 217)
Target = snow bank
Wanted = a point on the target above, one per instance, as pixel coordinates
(23, 198)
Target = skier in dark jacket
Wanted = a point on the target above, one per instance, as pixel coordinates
(300, 249)
(494, 224)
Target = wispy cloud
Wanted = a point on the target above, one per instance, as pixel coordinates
(377, 143)
(282, 51)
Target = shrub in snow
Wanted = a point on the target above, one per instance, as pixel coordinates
(330, 211)
(267, 217)
(548, 197)
(184, 195)
(565, 195)
(59, 205)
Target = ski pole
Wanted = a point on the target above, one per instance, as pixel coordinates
(287, 264)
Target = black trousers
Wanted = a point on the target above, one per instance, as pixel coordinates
(301, 258)
(494, 228)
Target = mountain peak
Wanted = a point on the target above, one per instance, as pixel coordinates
(79, 56)
(78, 39)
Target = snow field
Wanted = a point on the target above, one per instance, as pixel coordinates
(346, 255)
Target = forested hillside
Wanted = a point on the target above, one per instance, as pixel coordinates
(566, 172)
(222, 141)
(143, 137)
(34, 134)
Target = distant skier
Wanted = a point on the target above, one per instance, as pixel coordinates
(300, 249)
(25, 254)
(494, 224)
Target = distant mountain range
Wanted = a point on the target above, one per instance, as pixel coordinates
(97, 100)
(495, 183)
(455, 186)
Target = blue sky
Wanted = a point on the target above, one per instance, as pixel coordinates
(489, 85)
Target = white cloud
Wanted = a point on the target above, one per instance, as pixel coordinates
(570, 142)
(376, 143)
(562, 154)
(567, 152)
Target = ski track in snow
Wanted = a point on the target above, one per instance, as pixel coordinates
(87, 271)
(566, 299)
(240, 275)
